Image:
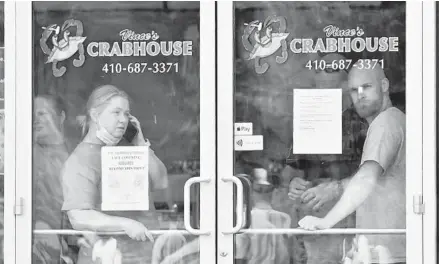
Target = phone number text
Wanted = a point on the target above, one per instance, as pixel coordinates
(140, 67)
(344, 64)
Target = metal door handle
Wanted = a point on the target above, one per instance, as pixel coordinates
(239, 204)
(187, 206)
(247, 186)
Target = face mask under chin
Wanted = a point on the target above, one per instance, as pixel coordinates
(106, 137)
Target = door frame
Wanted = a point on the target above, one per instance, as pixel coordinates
(23, 124)
(414, 127)
(429, 130)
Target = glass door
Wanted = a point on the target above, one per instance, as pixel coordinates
(116, 119)
(326, 124)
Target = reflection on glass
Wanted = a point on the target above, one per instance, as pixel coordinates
(285, 46)
(50, 151)
(123, 75)
(263, 248)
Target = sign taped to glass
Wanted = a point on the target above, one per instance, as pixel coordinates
(125, 180)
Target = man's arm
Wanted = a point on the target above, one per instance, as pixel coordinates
(384, 140)
(358, 188)
(345, 182)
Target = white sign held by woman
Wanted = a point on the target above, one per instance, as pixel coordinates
(125, 179)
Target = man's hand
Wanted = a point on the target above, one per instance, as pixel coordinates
(313, 223)
(321, 194)
(297, 187)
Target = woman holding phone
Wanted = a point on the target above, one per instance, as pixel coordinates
(108, 116)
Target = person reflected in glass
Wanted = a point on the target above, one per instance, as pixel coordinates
(168, 243)
(263, 248)
(108, 114)
(50, 151)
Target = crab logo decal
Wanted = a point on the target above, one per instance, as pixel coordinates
(266, 42)
(64, 48)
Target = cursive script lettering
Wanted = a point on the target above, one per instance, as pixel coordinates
(333, 31)
(128, 34)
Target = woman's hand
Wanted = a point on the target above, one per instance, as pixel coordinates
(139, 139)
(137, 231)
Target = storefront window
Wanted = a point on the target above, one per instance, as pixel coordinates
(127, 152)
(115, 131)
(305, 128)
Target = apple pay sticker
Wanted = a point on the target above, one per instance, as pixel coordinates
(243, 128)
